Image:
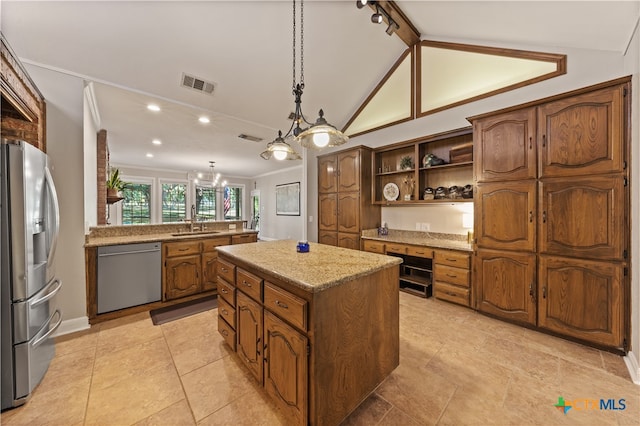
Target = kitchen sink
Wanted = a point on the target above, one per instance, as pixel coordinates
(205, 232)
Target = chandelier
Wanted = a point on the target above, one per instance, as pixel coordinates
(319, 134)
(213, 178)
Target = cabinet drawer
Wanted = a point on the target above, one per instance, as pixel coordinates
(227, 271)
(451, 293)
(396, 248)
(420, 252)
(227, 292)
(227, 312)
(452, 275)
(287, 306)
(250, 284)
(227, 332)
(182, 248)
(453, 258)
(373, 246)
(243, 239)
(210, 244)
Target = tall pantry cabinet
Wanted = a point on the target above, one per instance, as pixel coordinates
(552, 214)
(344, 197)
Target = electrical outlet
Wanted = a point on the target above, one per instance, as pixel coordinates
(232, 227)
(310, 219)
(418, 226)
(425, 226)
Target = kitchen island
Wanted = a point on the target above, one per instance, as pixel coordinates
(319, 330)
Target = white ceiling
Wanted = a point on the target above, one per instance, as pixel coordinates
(136, 52)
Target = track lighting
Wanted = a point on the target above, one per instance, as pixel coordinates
(380, 16)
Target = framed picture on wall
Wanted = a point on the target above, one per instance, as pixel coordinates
(288, 199)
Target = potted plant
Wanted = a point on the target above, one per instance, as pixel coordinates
(114, 183)
(406, 162)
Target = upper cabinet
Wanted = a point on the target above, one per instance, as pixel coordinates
(432, 169)
(583, 135)
(23, 106)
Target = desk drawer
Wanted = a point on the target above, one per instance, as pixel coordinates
(451, 293)
(287, 306)
(452, 275)
(227, 332)
(227, 271)
(250, 284)
(453, 258)
(420, 252)
(227, 312)
(227, 292)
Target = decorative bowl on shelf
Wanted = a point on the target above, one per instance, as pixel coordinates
(431, 160)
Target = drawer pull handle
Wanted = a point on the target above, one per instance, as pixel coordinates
(452, 260)
(225, 312)
(224, 290)
(248, 284)
(282, 305)
(452, 275)
(225, 333)
(183, 249)
(225, 270)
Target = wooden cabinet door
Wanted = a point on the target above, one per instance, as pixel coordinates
(349, 171)
(582, 299)
(505, 146)
(286, 365)
(328, 174)
(249, 332)
(583, 218)
(182, 276)
(504, 284)
(328, 212)
(329, 238)
(582, 135)
(505, 215)
(209, 270)
(349, 212)
(350, 241)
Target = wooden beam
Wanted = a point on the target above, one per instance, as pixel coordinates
(407, 31)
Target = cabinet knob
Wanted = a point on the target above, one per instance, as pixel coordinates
(224, 290)
(248, 284)
(225, 333)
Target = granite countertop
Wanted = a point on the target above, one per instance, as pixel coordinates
(131, 234)
(322, 267)
(418, 238)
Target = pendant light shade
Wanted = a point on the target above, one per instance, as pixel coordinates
(280, 150)
(321, 134)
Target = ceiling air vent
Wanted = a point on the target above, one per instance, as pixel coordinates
(250, 138)
(196, 83)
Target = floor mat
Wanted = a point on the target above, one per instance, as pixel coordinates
(181, 310)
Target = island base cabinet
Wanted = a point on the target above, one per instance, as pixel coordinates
(249, 334)
(505, 284)
(286, 372)
(582, 299)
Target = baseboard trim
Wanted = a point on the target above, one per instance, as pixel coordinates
(633, 367)
(72, 325)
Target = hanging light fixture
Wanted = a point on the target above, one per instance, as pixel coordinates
(213, 178)
(319, 134)
(280, 150)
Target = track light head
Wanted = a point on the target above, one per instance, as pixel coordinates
(362, 3)
(376, 18)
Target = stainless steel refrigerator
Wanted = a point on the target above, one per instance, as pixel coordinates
(29, 224)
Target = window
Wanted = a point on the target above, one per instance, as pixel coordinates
(174, 202)
(233, 203)
(205, 203)
(136, 205)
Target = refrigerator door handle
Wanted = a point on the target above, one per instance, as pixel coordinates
(43, 338)
(56, 211)
(49, 294)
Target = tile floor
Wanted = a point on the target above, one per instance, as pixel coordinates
(456, 367)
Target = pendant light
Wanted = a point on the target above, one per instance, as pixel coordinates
(317, 135)
(280, 150)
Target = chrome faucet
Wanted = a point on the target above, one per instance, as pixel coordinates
(193, 217)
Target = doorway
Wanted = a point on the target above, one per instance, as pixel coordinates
(255, 210)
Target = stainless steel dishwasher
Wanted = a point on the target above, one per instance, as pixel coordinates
(128, 275)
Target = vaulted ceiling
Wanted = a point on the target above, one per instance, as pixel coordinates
(136, 52)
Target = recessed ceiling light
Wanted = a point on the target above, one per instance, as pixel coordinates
(204, 119)
(156, 142)
(150, 155)
(153, 107)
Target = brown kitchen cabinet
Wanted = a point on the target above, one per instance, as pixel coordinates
(388, 170)
(249, 334)
(182, 269)
(552, 236)
(344, 199)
